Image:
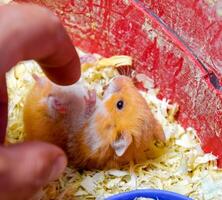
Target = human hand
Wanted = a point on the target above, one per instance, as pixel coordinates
(26, 167)
(32, 32)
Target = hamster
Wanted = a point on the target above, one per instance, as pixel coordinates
(95, 133)
(52, 111)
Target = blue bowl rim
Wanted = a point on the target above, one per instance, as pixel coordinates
(149, 193)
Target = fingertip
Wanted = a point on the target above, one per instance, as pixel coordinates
(64, 75)
(58, 168)
(27, 167)
(72, 71)
(3, 120)
(39, 162)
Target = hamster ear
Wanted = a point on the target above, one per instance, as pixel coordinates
(39, 80)
(56, 104)
(121, 144)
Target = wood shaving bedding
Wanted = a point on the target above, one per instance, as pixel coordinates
(184, 168)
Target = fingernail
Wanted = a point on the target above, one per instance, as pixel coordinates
(58, 167)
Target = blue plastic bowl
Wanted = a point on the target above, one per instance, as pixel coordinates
(155, 194)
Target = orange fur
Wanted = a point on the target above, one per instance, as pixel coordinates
(108, 138)
(37, 124)
(135, 122)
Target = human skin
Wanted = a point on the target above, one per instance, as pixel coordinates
(27, 32)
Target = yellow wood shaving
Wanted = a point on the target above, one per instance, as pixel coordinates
(184, 168)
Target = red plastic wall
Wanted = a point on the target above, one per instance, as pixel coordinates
(178, 43)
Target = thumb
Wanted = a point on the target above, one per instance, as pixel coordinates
(25, 168)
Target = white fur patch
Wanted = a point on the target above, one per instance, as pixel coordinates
(110, 90)
(49, 102)
(100, 108)
(93, 138)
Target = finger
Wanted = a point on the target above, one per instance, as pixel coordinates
(3, 111)
(61, 75)
(25, 168)
(42, 37)
(3, 120)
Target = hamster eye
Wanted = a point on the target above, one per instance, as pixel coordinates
(120, 104)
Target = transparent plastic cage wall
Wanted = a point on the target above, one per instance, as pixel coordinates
(178, 43)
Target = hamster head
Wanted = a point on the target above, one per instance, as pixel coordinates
(126, 118)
